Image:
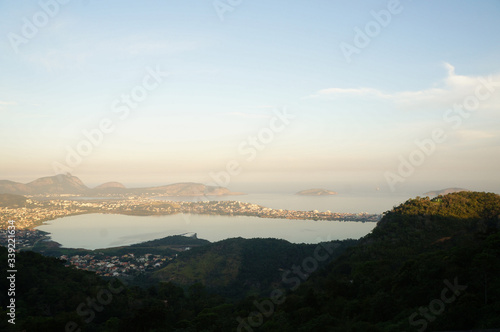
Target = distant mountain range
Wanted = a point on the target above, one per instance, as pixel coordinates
(69, 184)
(444, 191)
(316, 192)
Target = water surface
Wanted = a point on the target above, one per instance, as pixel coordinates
(92, 231)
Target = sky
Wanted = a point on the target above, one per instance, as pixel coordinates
(379, 96)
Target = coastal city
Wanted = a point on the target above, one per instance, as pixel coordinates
(117, 266)
(26, 216)
(34, 212)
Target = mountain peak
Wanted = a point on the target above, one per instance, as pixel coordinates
(57, 184)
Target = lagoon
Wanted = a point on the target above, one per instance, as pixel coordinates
(94, 231)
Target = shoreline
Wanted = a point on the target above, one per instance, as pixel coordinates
(35, 213)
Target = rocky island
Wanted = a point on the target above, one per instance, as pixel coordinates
(316, 192)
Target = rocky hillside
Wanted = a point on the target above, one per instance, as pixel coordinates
(59, 184)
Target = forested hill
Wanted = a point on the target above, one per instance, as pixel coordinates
(388, 281)
(429, 265)
(238, 267)
(422, 221)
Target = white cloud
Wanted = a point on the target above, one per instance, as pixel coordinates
(456, 88)
(77, 55)
(73, 57)
(152, 47)
(476, 134)
(263, 107)
(452, 89)
(341, 92)
(248, 115)
(6, 103)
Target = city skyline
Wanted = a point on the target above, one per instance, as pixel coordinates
(394, 95)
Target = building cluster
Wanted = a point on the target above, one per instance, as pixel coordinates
(25, 238)
(125, 265)
(34, 213)
(116, 266)
(249, 209)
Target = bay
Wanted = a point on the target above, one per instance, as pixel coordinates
(94, 231)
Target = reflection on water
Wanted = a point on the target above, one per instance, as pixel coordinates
(92, 231)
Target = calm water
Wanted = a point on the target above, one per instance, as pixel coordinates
(373, 203)
(93, 231)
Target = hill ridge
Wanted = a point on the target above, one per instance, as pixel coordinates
(69, 184)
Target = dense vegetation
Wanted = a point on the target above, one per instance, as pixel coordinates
(388, 281)
(428, 265)
(166, 246)
(240, 267)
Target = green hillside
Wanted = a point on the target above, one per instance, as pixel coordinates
(393, 280)
(167, 245)
(238, 267)
(173, 240)
(429, 265)
(47, 294)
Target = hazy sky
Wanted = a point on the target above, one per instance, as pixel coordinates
(342, 94)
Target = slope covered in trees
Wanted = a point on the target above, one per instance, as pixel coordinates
(430, 265)
(239, 267)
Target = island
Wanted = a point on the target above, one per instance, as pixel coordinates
(316, 192)
(444, 191)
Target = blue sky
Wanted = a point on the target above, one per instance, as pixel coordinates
(353, 121)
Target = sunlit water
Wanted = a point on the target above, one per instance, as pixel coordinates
(92, 231)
